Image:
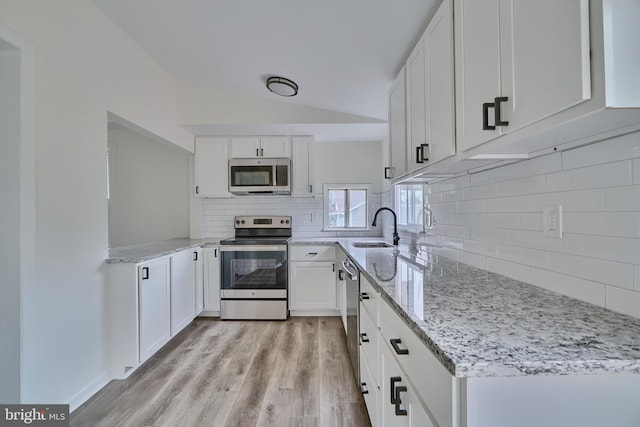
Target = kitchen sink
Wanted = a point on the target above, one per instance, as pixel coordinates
(371, 245)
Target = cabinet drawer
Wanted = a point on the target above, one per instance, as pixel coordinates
(312, 253)
(370, 392)
(369, 298)
(434, 384)
(369, 337)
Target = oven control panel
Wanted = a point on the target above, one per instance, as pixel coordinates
(262, 222)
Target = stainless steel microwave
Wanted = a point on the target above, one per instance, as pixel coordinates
(260, 176)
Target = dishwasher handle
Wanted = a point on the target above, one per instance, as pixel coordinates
(352, 275)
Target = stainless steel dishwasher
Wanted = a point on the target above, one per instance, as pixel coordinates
(353, 314)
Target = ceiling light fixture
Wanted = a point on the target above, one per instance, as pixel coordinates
(281, 86)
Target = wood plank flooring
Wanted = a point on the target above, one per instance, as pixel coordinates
(231, 373)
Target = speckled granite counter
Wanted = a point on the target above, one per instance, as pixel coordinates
(480, 324)
(147, 251)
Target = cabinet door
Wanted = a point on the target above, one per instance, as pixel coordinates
(395, 387)
(477, 58)
(398, 127)
(211, 165)
(416, 116)
(545, 58)
(275, 146)
(302, 166)
(199, 280)
(212, 279)
(183, 290)
(312, 286)
(439, 95)
(245, 147)
(153, 308)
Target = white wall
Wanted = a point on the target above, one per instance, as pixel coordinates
(149, 189)
(85, 67)
(9, 224)
(493, 220)
(348, 163)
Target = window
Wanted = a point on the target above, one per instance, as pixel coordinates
(409, 203)
(346, 206)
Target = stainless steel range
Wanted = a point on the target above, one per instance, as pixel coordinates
(254, 269)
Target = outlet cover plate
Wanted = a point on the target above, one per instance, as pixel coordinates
(552, 221)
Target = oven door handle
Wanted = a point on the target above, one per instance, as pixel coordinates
(253, 248)
(352, 275)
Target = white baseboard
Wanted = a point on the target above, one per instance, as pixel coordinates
(209, 313)
(86, 393)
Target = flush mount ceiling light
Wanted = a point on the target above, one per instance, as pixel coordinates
(281, 86)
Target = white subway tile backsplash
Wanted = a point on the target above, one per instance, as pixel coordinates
(461, 231)
(452, 242)
(509, 269)
(476, 260)
(622, 224)
(489, 234)
(597, 270)
(581, 289)
(623, 198)
(480, 247)
(537, 166)
(533, 240)
(623, 301)
(519, 186)
(491, 175)
(599, 176)
(571, 201)
(571, 222)
(464, 219)
(624, 147)
(479, 192)
(452, 195)
(523, 221)
(472, 206)
(602, 247)
(526, 256)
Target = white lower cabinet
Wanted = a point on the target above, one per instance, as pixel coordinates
(312, 278)
(371, 392)
(153, 307)
(199, 281)
(211, 260)
(183, 290)
(400, 403)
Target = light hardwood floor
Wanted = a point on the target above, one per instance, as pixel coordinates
(231, 373)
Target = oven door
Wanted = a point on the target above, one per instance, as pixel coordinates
(254, 272)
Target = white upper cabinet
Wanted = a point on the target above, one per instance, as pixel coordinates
(211, 164)
(260, 146)
(430, 93)
(518, 62)
(302, 166)
(397, 128)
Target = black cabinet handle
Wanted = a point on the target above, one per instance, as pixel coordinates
(261, 152)
(387, 173)
(333, 268)
(215, 253)
(363, 337)
(394, 380)
(485, 116)
(418, 157)
(340, 274)
(498, 111)
(364, 296)
(195, 256)
(398, 400)
(257, 152)
(312, 253)
(363, 388)
(197, 189)
(145, 273)
(423, 156)
(394, 343)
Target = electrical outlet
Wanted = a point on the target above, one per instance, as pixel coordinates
(552, 221)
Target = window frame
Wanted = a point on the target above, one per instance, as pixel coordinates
(325, 211)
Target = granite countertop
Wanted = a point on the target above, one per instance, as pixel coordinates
(481, 324)
(147, 251)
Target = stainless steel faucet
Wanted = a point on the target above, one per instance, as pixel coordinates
(396, 238)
